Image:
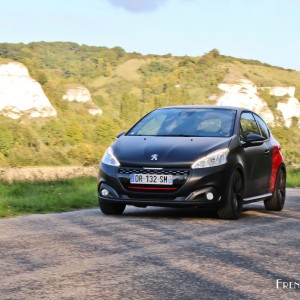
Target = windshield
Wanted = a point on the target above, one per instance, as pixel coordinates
(210, 122)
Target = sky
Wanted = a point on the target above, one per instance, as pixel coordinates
(264, 30)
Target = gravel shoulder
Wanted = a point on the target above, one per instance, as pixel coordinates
(46, 173)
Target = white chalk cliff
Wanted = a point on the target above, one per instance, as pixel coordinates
(78, 94)
(290, 107)
(22, 95)
(82, 94)
(289, 110)
(245, 94)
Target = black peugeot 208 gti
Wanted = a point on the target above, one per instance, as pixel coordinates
(194, 156)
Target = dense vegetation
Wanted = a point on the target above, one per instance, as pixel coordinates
(125, 86)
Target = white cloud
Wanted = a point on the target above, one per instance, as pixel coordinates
(138, 5)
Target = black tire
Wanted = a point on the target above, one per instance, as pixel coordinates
(233, 201)
(276, 202)
(111, 208)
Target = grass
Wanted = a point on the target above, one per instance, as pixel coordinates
(47, 196)
(29, 197)
(293, 178)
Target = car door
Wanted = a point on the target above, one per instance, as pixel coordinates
(257, 158)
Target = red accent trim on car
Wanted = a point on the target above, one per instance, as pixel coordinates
(277, 159)
(152, 188)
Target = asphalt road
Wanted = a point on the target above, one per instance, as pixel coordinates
(153, 253)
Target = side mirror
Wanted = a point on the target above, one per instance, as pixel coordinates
(254, 139)
(120, 134)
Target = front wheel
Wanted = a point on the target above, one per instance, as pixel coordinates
(277, 200)
(111, 208)
(233, 201)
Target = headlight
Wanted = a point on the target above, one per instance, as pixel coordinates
(216, 158)
(109, 158)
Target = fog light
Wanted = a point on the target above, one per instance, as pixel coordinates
(104, 192)
(209, 196)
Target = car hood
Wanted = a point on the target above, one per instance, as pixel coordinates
(170, 151)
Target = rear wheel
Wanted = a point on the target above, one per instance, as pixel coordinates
(277, 200)
(111, 208)
(233, 201)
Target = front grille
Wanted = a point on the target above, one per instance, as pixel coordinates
(175, 172)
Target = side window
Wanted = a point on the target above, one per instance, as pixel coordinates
(263, 127)
(248, 125)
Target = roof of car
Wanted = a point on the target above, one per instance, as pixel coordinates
(239, 109)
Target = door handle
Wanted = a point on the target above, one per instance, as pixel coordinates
(267, 152)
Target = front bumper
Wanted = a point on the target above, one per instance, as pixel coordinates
(196, 188)
(197, 198)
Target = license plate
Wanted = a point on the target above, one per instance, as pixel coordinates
(151, 179)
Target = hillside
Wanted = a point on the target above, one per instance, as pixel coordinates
(93, 93)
